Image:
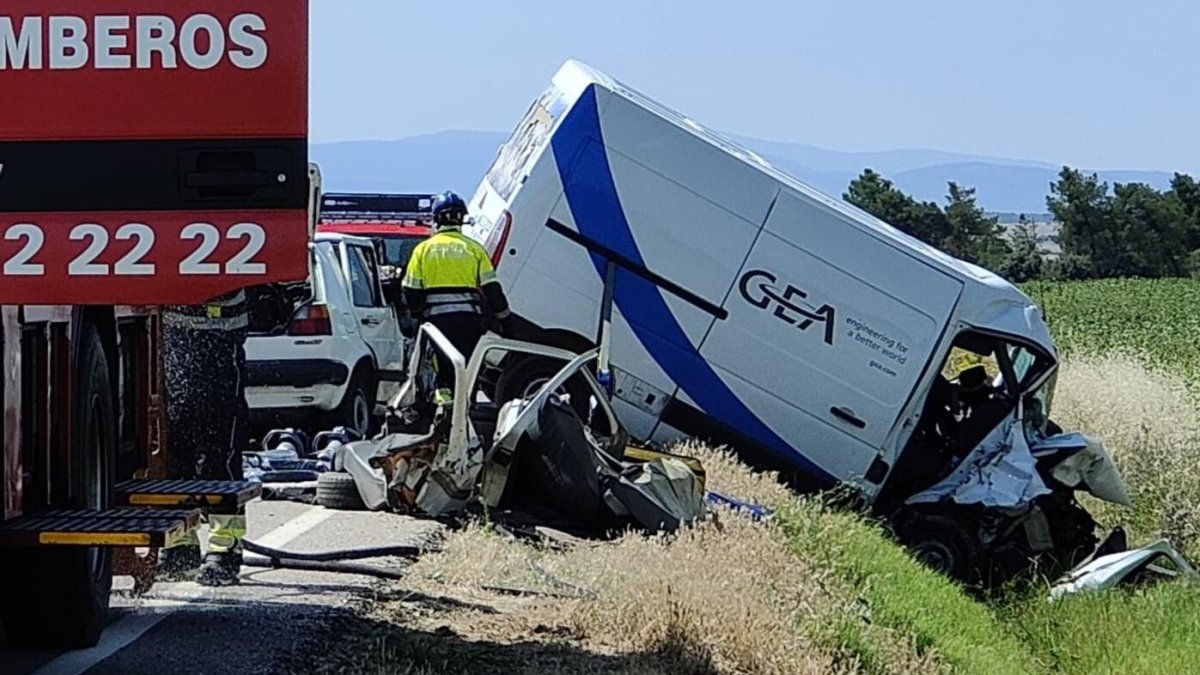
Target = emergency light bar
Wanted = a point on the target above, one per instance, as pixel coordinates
(358, 207)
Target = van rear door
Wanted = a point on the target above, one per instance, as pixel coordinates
(829, 330)
(151, 153)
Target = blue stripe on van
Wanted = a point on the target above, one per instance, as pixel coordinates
(596, 207)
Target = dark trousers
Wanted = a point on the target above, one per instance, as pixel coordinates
(463, 330)
(207, 413)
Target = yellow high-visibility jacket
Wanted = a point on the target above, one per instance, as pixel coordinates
(450, 273)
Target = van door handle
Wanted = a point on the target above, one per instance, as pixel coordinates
(848, 417)
(371, 322)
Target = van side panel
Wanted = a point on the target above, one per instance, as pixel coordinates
(845, 347)
(681, 235)
(559, 289)
(824, 449)
(664, 329)
(726, 175)
(843, 243)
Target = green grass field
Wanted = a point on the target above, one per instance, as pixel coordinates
(1132, 353)
(1158, 320)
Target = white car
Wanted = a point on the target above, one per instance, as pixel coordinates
(325, 352)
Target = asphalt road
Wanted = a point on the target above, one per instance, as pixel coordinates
(269, 623)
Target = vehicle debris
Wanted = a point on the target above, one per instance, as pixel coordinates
(1156, 561)
(1000, 472)
(289, 467)
(533, 455)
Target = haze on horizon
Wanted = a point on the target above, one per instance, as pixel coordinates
(1097, 84)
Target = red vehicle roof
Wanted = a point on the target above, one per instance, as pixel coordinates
(376, 228)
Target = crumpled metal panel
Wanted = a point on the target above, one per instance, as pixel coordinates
(1000, 472)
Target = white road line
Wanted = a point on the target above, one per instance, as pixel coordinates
(292, 529)
(123, 632)
(117, 636)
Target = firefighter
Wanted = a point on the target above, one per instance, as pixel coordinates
(450, 283)
(207, 425)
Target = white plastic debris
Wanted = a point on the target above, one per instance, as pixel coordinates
(1091, 466)
(1109, 570)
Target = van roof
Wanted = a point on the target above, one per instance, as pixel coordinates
(987, 301)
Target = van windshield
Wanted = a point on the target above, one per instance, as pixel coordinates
(1022, 360)
(525, 144)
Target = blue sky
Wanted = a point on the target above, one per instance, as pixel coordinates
(1099, 84)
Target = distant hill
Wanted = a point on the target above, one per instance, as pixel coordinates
(450, 160)
(457, 160)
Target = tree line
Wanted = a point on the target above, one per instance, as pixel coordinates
(1134, 230)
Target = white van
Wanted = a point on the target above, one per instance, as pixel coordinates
(754, 311)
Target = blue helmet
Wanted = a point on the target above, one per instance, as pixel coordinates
(449, 210)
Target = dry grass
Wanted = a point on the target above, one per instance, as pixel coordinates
(1150, 423)
(652, 595)
(729, 475)
(817, 591)
(729, 595)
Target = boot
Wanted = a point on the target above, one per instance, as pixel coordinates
(178, 563)
(220, 569)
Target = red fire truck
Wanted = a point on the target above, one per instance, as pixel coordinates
(151, 153)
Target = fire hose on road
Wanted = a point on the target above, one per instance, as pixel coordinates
(330, 561)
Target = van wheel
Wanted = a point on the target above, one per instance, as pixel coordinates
(357, 409)
(522, 379)
(943, 544)
(58, 597)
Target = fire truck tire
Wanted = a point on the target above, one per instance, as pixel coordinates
(58, 597)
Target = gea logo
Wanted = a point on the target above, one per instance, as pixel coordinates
(758, 287)
(201, 42)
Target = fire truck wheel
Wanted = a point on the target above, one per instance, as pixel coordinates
(58, 597)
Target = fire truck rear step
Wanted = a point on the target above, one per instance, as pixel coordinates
(116, 527)
(213, 496)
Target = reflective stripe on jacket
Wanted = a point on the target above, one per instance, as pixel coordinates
(450, 269)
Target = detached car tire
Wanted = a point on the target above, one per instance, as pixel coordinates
(57, 597)
(337, 490)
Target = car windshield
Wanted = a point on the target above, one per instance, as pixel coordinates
(995, 355)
